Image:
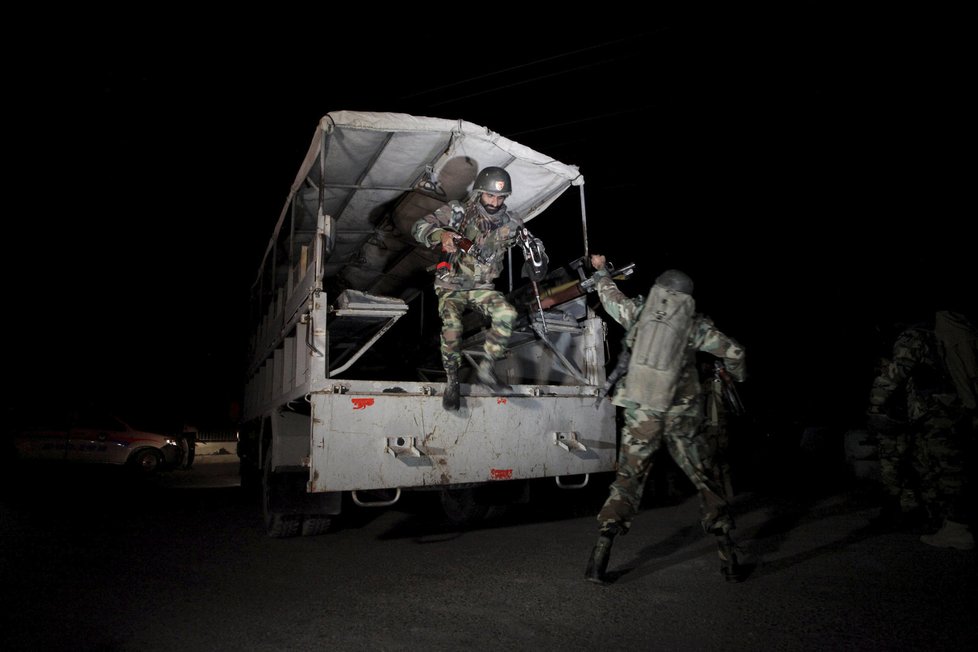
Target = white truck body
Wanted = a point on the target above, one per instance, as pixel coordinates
(331, 407)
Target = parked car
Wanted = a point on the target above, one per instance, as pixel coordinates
(91, 436)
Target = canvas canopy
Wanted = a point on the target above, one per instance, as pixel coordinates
(372, 175)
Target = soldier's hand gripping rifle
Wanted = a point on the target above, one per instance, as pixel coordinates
(589, 284)
(535, 265)
(462, 244)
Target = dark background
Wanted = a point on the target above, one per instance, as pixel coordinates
(807, 170)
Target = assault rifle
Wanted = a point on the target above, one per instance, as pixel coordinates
(574, 289)
(535, 265)
(624, 356)
(466, 246)
(731, 397)
(589, 283)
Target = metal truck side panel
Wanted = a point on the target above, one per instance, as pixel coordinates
(372, 440)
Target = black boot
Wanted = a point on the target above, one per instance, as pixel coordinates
(450, 400)
(597, 563)
(729, 566)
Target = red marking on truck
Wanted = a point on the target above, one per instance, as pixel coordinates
(501, 400)
(500, 474)
(361, 403)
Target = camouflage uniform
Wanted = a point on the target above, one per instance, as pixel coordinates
(645, 430)
(468, 282)
(922, 429)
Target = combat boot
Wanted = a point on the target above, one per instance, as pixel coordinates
(951, 535)
(597, 563)
(729, 566)
(450, 399)
(487, 376)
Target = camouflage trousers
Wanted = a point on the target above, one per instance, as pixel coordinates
(491, 304)
(925, 465)
(642, 434)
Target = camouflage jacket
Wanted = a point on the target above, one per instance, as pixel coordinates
(493, 235)
(914, 384)
(704, 336)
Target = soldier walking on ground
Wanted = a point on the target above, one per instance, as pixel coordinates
(922, 411)
(662, 401)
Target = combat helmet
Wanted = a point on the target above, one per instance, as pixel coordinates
(673, 279)
(494, 181)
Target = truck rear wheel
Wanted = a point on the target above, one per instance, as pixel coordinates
(314, 525)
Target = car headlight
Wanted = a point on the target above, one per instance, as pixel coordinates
(172, 442)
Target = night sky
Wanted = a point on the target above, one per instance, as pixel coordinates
(807, 171)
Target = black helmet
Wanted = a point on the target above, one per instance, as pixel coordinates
(673, 279)
(494, 181)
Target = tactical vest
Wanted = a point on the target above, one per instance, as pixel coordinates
(658, 344)
(492, 238)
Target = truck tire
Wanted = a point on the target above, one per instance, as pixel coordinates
(277, 524)
(314, 525)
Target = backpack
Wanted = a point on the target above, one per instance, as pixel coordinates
(658, 343)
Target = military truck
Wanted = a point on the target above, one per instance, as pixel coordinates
(342, 407)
